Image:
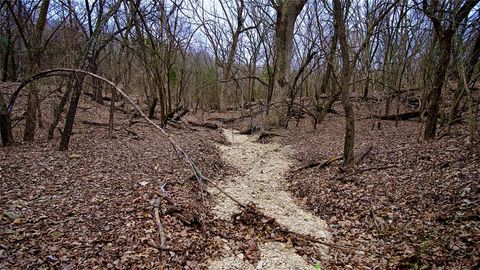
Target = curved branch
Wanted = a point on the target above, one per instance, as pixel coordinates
(68, 72)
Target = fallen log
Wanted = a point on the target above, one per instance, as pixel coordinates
(314, 164)
(85, 122)
(233, 119)
(402, 116)
(268, 134)
(180, 114)
(161, 230)
(250, 130)
(205, 124)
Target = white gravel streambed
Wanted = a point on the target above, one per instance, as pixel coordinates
(262, 180)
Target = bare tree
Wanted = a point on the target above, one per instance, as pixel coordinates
(446, 17)
(33, 43)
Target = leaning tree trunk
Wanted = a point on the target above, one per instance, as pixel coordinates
(57, 112)
(72, 111)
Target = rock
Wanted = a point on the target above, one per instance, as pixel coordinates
(259, 265)
(74, 156)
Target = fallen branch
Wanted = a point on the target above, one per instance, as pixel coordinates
(268, 134)
(161, 230)
(94, 123)
(205, 124)
(226, 193)
(402, 116)
(325, 243)
(357, 158)
(314, 164)
(130, 132)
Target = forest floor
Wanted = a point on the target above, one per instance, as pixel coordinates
(407, 204)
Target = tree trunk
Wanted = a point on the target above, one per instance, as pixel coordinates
(151, 110)
(444, 31)
(31, 113)
(34, 51)
(111, 113)
(435, 96)
(328, 73)
(349, 143)
(5, 124)
(97, 85)
(72, 111)
(474, 58)
(57, 113)
(459, 94)
(287, 13)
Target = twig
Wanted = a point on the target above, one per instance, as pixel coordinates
(164, 248)
(325, 243)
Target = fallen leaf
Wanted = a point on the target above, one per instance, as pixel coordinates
(10, 215)
(56, 234)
